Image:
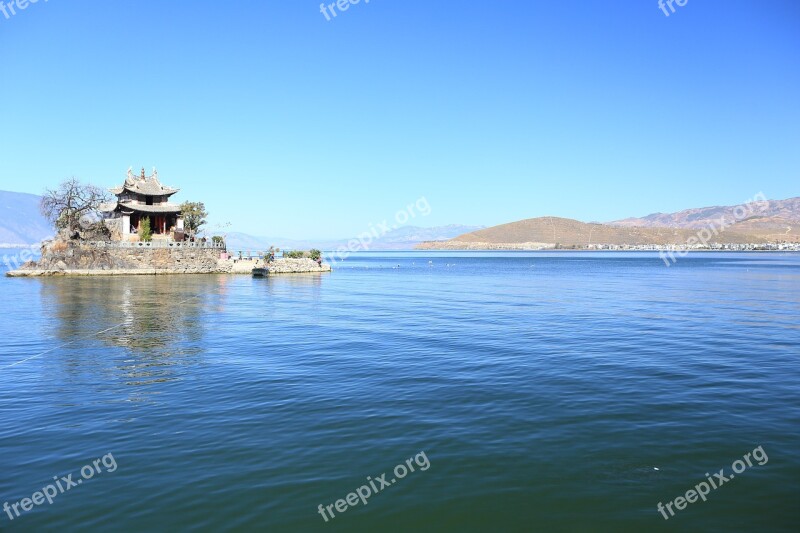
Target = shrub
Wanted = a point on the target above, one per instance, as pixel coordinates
(315, 254)
(145, 233)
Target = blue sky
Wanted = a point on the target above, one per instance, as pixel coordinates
(287, 124)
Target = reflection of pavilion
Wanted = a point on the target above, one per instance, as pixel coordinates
(142, 326)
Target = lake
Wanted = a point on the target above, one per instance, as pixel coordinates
(518, 391)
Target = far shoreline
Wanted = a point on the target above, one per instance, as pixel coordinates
(516, 250)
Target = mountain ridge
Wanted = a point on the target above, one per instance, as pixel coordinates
(402, 238)
(788, 209)
(757, 222)
(21, 223)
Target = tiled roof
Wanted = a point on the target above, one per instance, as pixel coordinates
(148, 186)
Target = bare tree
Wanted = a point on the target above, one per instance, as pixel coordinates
(64, 207)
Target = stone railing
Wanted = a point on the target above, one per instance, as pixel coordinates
(158, 244)
(246, 254)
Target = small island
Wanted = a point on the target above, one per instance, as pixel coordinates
(139, 231)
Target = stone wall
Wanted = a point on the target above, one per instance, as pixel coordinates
(279, 266)
(60, 257)
(64, 256)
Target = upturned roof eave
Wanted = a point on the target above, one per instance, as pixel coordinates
(151, 209)
(164, 192)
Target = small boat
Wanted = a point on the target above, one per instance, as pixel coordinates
(260, 272)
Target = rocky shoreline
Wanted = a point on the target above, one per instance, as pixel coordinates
(60, 258)
(279, 266)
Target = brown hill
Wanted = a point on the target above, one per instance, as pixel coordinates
(755, 222)
(554, 232)
(772, 229)
(568, 232)
(703, 217)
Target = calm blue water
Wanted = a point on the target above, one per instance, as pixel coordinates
(549, 392)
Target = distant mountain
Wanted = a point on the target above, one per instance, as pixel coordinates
(20, 220)
(407, 237)
(547, 232)
(780, 210)
(774, 220)
(403, 238)
(242, 241)
(21, 223)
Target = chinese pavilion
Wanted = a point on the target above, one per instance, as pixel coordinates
(141, 197)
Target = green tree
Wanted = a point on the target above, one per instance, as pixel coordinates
(145, 232)
(315, 254)
(194, 216)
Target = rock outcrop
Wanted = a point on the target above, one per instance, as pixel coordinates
(278, 266)
(64, 257)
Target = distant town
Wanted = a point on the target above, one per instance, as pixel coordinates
(530, 246)
(712, 247)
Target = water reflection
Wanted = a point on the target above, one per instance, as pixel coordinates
(293, 298)
(152, 323)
